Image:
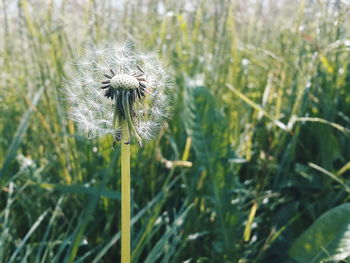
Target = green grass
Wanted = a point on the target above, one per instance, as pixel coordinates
(262, 94)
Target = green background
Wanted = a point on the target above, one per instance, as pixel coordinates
(257, 147)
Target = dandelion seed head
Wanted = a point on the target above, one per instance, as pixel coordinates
(124, 81)
(115, 84)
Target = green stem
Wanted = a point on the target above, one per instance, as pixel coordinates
(125, 217)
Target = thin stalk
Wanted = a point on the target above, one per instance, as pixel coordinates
(125, 218)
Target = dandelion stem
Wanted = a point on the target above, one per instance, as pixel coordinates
(125, 217)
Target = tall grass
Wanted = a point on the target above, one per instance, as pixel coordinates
(261, 118)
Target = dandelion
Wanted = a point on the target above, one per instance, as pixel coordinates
(119, 91)
(115, 85)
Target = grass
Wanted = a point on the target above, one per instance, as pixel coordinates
(257, 148)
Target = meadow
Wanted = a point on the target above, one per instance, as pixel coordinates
(251, 167)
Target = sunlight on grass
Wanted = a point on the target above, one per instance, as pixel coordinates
(255, 150)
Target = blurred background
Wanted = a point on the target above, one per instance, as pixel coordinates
(256, 151)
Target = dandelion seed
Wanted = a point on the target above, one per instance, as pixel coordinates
(115, 85)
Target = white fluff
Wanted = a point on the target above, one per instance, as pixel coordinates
(93, 112)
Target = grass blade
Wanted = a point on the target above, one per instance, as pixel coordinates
(21, 130)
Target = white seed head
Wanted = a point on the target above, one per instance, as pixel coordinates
(124, 81)
(112, 78)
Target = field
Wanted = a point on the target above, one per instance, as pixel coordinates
(252, 166)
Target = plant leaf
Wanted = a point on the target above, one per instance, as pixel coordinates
(328, 238)
(21, 130)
